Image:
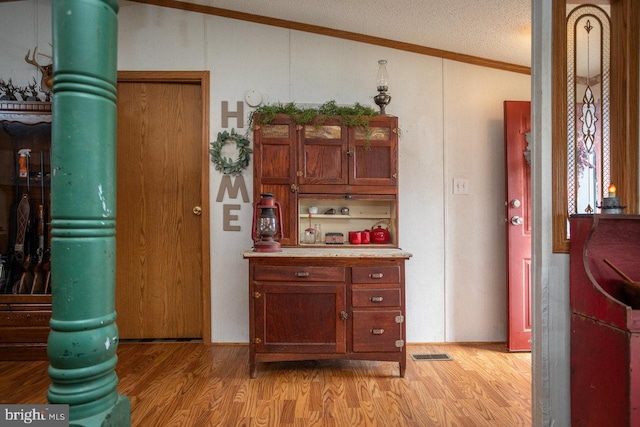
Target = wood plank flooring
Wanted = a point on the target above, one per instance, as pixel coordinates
(193, 384)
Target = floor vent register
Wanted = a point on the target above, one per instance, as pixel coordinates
(431, 356)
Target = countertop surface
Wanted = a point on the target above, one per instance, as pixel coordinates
(331, 252)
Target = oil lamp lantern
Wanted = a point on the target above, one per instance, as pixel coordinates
(267, 224)
(382, 99)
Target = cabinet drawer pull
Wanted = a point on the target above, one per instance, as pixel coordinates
(376, 275)
(376, 299)
(302, 274)
(377, 331)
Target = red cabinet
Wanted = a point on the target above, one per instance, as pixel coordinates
(605, 328)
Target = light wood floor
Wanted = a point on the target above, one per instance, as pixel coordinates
(193, 384)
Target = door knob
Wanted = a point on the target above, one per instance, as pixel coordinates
(197, 210)
(516, 220)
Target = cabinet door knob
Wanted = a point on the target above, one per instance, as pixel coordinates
(376, 299)
(349, 153)
(344, 315)
(379, 331)
(197, 210)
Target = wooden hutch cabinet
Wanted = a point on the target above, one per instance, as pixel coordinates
(316, 300)
(25, 288)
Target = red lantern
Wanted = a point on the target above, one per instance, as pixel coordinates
(267, 226)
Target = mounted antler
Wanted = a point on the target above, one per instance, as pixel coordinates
(47, 70)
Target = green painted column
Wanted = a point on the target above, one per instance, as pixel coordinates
(84, 336)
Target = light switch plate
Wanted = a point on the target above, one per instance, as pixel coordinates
(460, 186)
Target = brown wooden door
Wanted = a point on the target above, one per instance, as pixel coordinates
(517, 118)
(159, 273)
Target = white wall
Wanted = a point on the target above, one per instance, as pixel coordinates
(23, 26)
(451, 120)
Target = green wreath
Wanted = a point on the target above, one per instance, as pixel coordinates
(225, 164)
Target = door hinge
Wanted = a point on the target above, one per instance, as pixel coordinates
(256, 295)
(399, 343)
(299, 173)
(400, 319)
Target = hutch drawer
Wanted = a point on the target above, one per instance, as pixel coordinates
(376, 274)
(370, 297)
(304, 273)
(377, 331)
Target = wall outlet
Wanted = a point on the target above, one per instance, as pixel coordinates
(460, 186)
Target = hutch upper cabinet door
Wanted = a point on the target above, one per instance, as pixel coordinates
(323, 154)
(374, 154)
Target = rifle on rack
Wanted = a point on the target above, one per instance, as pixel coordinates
(20, 253)
(5, 274)
(47, 253)
(38, 283)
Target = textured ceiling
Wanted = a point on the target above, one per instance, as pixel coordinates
(499, 30)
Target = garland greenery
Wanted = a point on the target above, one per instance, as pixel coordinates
(356, 115)
(227, 165)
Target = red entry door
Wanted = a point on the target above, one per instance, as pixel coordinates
(517, 123)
